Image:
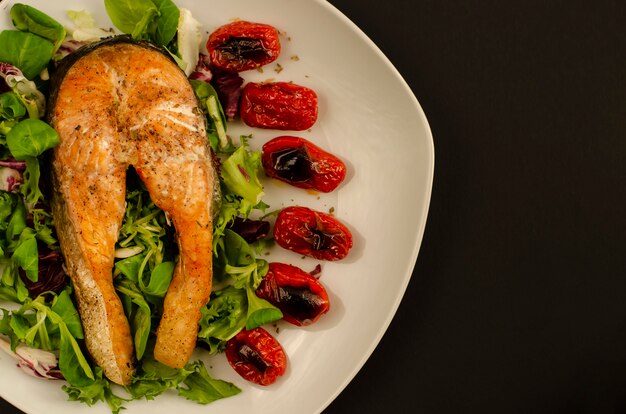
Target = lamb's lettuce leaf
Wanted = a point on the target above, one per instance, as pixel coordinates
(27, 51)
(29, 19)
(31, 138)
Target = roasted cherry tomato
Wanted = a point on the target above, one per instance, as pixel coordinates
(302, 164)
(243, 45)
(301, 297)
(256, 356)
(278, 105)
(312, 233)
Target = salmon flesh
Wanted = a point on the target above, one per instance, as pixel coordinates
(116, 104)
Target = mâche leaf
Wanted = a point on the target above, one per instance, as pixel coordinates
(27, 51)
(132, 16)
(30, 138)
(167, 23)
(159, 280)
(11, 107)
(26, 257)
(29, 19)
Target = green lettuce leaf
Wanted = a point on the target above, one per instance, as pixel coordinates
(29, 19)
(30, 138)
(27, 51)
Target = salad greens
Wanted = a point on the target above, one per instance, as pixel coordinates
(46, 319)
(216, 127)
(31, 138)
(26, 51)
(11, 107)
(29, 19)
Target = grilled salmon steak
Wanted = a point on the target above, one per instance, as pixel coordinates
(116, 104)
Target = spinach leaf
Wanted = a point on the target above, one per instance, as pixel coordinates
(167, 23)
(132, 16)
(26, 257)
(30, 138)
(20, 325)
(72, 361)
(159, 281)
(11, 107)
(64, 307)
(129, 267)
(260, 311)
(27, 51)
(29, 19)
(141, 320)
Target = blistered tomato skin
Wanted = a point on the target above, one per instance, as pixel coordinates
(312, 233)
(278, 105)
(301, 297)
(243, 45)
(302, 164)
(256, 356)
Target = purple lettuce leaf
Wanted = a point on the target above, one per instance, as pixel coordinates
(35, 362)
(250, 230)
(52, 276)
(202, 71)
(228, 88)
(7, 69)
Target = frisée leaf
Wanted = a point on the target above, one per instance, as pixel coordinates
(240, 175)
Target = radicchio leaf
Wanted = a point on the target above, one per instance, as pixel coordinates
(12, 79)
(14, 164)
(52, 276)
(10, 179)
(36, 362)
(202, 71)
(7, 69)
(228, 88)
(250, 230)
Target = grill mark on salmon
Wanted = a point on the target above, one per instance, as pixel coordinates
(120, 103)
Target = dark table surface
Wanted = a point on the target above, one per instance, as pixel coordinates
(516, 304)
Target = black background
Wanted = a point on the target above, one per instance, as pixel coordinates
(516, 304)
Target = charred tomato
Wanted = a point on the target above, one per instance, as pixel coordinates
(256, 356)
(312, 233)
(278, 105)
(302, 164)
(301, 297)
(243, 45)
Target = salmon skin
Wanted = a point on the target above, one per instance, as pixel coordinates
(115, 104)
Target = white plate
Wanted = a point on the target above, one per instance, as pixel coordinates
(368, 117)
